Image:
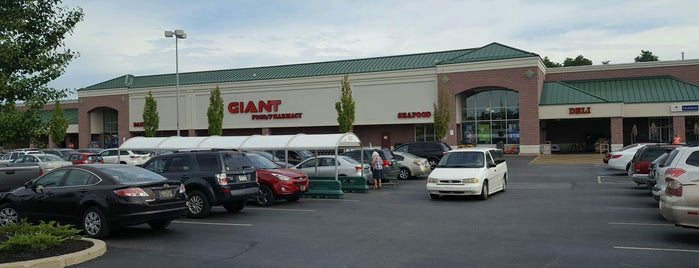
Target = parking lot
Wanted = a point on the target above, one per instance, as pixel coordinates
(552, 215)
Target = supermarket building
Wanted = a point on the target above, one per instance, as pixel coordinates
(499, 96)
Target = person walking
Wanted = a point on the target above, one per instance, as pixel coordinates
(376, 169)
(676, 139)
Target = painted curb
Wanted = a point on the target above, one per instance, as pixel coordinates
(98, 249)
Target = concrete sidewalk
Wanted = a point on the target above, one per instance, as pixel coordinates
(568, 159)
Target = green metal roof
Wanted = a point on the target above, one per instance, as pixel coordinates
(493, 51)
(649, 89)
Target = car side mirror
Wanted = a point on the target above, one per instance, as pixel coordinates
(28, 184)
(491, 165)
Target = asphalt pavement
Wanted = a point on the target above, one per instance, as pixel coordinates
(552, 215)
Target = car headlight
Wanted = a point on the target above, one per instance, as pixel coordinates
(281, 177)
(432, 180)
(470, 180)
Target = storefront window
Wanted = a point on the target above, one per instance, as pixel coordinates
(424, 132)
(110, 120)
(659, 129)
(691, 129)
(491, 116)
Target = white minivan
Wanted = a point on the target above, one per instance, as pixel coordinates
(469, 171)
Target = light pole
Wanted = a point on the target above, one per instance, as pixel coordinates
(178, 34)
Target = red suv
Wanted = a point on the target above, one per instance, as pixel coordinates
(277, 182)
(639, 165)
(84, 158)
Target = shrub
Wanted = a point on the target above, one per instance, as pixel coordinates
(26, 236)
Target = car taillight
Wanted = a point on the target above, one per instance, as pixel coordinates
(616, 155)
(673, 188)
(133, 192)
(674, 172)
(221, 178)
(41, 171)
(358, 168)
(134, 156)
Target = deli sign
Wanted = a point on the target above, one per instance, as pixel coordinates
(261, 110)
(579, 110)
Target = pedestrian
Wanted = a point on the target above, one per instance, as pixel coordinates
(376, 169)
(676, 139)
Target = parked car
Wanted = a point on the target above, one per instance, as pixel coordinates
(59, 151)
(432, 150)
(273, 158)
(91, 150)
(679, 203)
(656, 175)
(363, 155)
(621, 159)
(45, 162)
(277, 183)
(411, 165)
(469, 171)
(211, 178)
(324, 165)
(11, 156)
(294, 156)
(116, 156)
(640, 162)
(96, 198)
(84, 158)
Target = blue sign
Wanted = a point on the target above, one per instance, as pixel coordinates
(690, 107)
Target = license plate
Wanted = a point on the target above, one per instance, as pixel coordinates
(303, 187)
(165, 194)
(242, 178)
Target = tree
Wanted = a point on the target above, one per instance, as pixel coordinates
(442, 116)
(578, 61)
(151, 119)
(345, 107)
(58, 124)
(215, 113)
(550, 64)
(646, 56)
(31, 55)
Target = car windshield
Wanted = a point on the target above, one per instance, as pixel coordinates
(131, 174)
(462, 160)
(49, 158)
(261, 162)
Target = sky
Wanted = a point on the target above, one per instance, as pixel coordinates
(127, 37)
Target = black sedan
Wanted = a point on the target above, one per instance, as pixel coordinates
(96, 197)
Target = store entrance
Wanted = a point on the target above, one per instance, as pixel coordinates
(576, 135)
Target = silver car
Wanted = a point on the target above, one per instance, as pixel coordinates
(324, 165)
(411, 165)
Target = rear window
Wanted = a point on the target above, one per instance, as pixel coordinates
(131, 174)
(652, 153)
(235, 161)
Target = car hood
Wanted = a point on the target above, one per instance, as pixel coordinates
(456, 173)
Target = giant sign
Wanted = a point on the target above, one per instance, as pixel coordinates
(261, 110)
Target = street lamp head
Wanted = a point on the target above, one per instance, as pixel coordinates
(179, 34)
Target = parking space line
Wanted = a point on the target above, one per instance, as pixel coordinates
(632, 208)
(641, 224)
(214, 223)
(659, 249)
(283, 209)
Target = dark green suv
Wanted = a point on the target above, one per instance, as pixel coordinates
(217, 177)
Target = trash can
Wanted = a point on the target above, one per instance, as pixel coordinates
(546, 147)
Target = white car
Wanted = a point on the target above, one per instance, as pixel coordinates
(128, 157)
(621, 159)
(469, 171)
(679, 203)
(11, 156)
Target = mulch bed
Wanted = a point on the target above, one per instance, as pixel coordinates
(67, 247)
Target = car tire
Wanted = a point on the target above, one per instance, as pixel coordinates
(265, 196)
(198, 205)
(8, 215)
(433, 162)
(484, 191)
(94, 223)
(434, 196)
(404, 174)
(235, 206)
